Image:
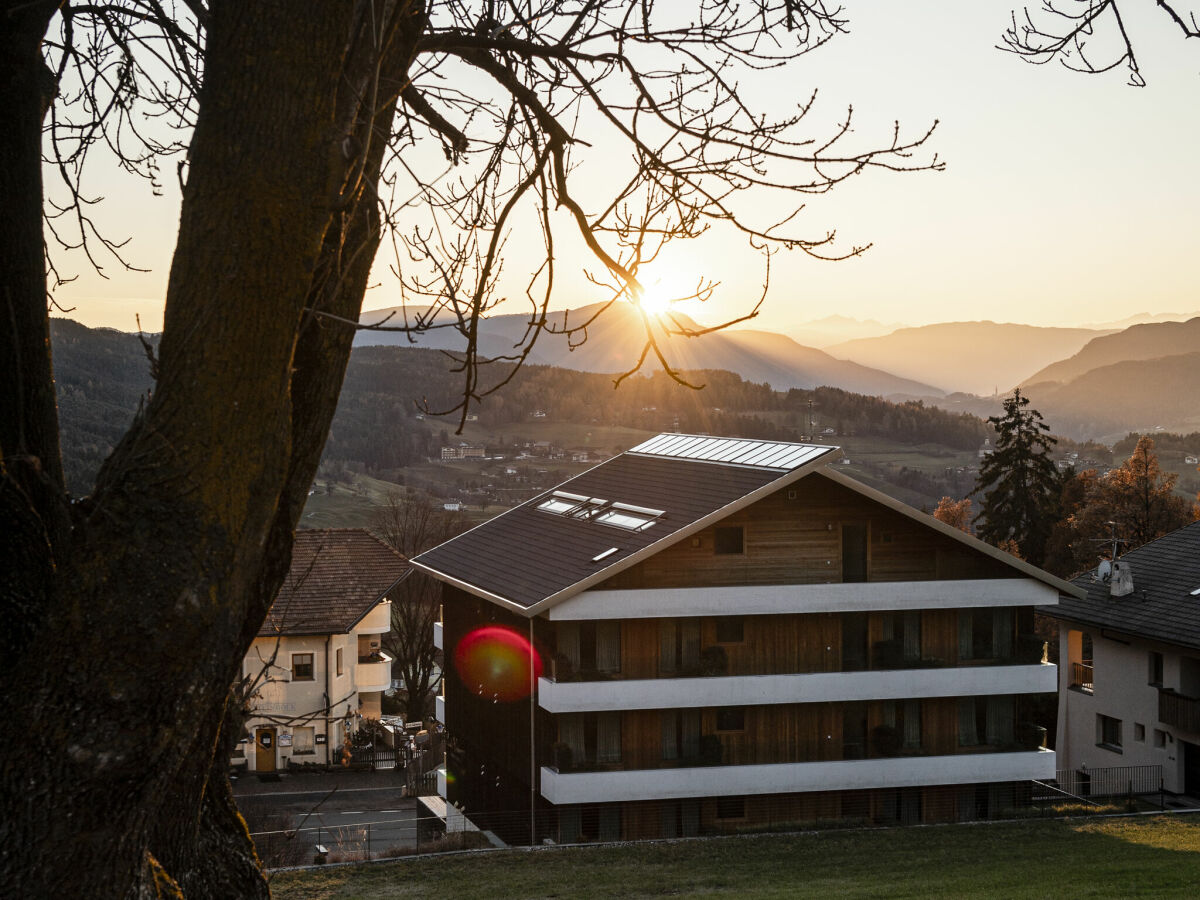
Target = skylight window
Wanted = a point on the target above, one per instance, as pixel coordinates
(629, 517)
(561, 503)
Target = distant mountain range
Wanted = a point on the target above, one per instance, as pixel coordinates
(1142, 342)
(979, 357)
(821, 333)
(614, 342)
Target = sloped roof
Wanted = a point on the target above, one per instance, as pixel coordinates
(1162, 606)
(528, 558)
(337, 575)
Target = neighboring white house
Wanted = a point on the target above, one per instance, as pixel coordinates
(1130, 674)
(317, 665)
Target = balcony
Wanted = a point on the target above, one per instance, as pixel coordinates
(815, 687)
(1083, 677)
(374, 672)
(788, 778)
(1179, 710)
(377, 621)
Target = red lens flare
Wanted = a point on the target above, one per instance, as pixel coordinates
(494, 661)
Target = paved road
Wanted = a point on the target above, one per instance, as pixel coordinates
(350, 812)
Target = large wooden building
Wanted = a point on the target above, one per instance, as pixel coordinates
(729, 634)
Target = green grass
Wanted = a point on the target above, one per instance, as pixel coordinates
(1139, 857)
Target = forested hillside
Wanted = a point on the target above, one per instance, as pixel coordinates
(383, 423)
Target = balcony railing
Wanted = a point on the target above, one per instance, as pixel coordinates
(884, 656)
(1083, 677)
(1176, 709)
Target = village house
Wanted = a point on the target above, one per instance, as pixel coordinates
(1129, 689)
(730, 634)
(316, 668)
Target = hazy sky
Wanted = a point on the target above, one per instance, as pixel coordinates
(1067, 199)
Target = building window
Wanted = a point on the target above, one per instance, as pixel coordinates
(1108, 732)
(1139, 731)
(854, 553)
(303, 742)
(731, 807)
(302, 667)
(339, 660)
(1156, 669)
(729, 539)
(730, 630)
(1160, 738)
(731, 718)
(678, 646)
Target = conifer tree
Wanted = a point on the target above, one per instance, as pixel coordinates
(1018, 483)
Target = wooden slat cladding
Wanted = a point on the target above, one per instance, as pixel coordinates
(794, 536)
(801, 643)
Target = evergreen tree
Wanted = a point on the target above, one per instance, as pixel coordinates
(1018, 483)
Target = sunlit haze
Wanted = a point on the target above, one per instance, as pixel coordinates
(1066, 200)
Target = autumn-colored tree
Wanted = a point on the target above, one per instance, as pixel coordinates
(1136, 501)
(954, 512)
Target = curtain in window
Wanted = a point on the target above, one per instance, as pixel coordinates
(1002, 633)
(610, 822)
(302, 740)
(670, 742)
(608, 737)
(608, 647)
(570, 825)
(964, 635)
(571, 733)
(568, 643)
(968, 735)
(887, 627)
(667, 663)
(689, 727)
(912, 635)
(689, 630)
(999, 721)
(912, 725)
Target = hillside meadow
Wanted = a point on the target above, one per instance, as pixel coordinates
(1151, 856)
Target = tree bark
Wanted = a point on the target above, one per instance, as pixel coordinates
(121, 682)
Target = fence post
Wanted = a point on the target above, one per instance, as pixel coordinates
(368, 840)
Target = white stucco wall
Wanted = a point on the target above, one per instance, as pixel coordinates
(1122, 691)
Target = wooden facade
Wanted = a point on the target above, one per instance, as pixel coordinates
(814, 531)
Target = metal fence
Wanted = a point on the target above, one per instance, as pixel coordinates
(1111, 781)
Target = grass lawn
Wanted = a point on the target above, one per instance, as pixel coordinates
(1142, 857)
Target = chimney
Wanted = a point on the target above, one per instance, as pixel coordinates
(1121, 584)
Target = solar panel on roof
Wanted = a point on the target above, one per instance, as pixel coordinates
(739, 451)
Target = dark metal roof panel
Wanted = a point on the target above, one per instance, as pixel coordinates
(527, 555)
(1161, 607)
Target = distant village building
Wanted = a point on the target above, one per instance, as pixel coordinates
(453, 506)
(986, 448)
(463, 451)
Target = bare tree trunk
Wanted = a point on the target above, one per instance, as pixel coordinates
(116, 785)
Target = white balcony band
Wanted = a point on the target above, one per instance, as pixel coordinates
(374, 676)
(377, 621)
(441, 782)
(779, 599)
(788, 778)
(813, 687)
(439, 709)
(439, 639)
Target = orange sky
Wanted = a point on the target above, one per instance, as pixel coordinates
(1066, 200)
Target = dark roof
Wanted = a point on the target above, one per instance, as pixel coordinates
(1162, 606)
(527, 556)
(337, 575)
